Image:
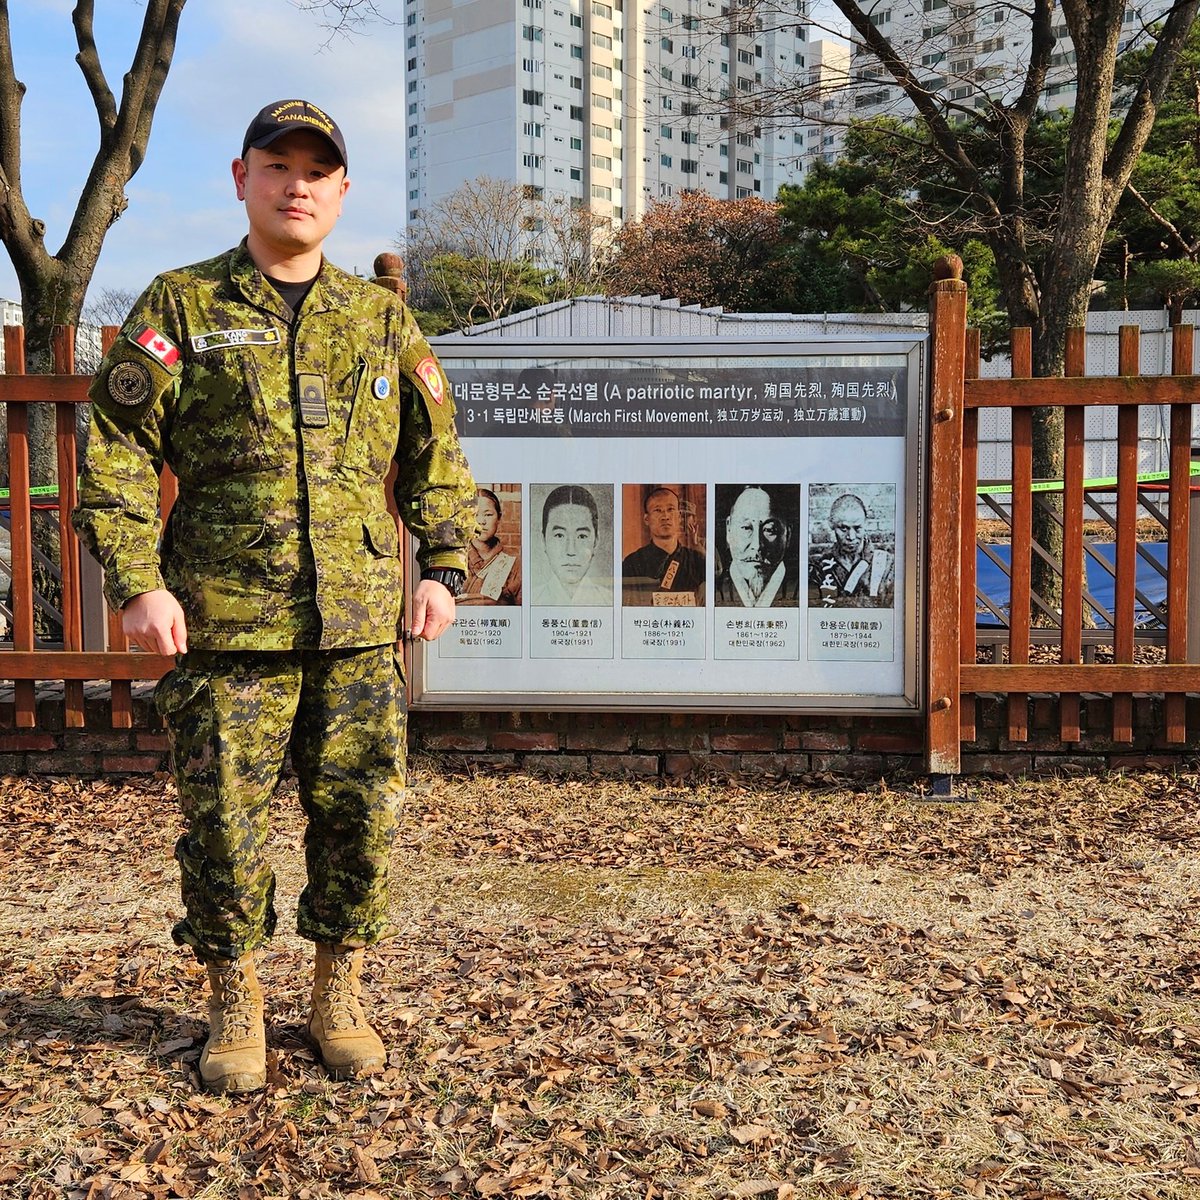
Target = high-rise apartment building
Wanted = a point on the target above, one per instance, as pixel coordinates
(611, 105)
(968, 51)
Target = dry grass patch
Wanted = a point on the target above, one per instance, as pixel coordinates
(619, 990)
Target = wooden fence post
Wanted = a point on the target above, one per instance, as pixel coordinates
(948, 335)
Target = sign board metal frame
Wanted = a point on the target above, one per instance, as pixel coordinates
(580, 379)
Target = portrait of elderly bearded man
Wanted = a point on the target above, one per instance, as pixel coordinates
(761, 567)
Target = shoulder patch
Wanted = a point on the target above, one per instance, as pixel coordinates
(157, 345)
(430, 374)
(129, 384)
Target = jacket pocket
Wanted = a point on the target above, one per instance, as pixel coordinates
(381, 536)
(224, 419)
(197, 542)
(373, 422)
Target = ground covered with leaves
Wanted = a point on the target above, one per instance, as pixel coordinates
(600, 989)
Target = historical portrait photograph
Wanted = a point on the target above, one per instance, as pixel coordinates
(571, 534)
(852, 545)
(494, 553)
(664, 558)
(758, 553)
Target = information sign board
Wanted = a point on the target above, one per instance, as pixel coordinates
(687, 525)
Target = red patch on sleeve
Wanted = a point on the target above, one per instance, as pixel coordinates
(428, 372)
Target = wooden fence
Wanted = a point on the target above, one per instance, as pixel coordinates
(953, 679)
(27, 662)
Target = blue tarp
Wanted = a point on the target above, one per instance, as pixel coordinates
(994, 583)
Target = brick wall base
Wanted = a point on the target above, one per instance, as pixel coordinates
(647, 744)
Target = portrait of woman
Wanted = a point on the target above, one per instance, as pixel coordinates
(493, 561)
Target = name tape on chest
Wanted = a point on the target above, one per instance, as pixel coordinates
(222, 339)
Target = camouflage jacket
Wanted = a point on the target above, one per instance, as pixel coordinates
(281, 436)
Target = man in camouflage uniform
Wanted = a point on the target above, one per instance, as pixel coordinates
(279, 390)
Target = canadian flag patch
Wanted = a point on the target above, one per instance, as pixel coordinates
(156, 345)
(428, 372)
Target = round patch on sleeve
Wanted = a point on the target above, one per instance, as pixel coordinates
(428, 371)
(381, 387)
(129, 383)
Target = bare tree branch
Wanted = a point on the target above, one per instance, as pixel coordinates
(19, 232)
(1188, 249)
(88, 59)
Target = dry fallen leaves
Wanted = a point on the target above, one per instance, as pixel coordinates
(599, 993)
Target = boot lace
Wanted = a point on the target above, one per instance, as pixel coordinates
(239, 1013)
(340, 999)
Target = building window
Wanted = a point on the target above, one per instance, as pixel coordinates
(576, 21)
(689, 166)
(601, 10)
(412, 86)
(667, 103)
(688, 51)
(723, 177)
(414, 193)
(602, 132)
(576, 113)
(576, 51)
(602, 102)
(577, 82)
(576, 173)
(529, 96)
(576, 143)
(532, 160)
(666, 14)
(601, 72)
(602, 163)
(690, 108)
(600, 192)
(412, 64)
(664, 160)
(689, 137)
(531, 64)
(531, 33)
(689, 81)
(668, 45)
(533, 129)
(666, 132)
(881, 18)
(691, 23)
(602, 40)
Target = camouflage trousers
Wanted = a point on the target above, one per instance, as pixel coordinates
(232, 716)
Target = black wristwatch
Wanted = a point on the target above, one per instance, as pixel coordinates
(451, 578)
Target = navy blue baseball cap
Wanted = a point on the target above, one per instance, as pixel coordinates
(286, 115)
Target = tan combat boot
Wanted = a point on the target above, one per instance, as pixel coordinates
(349, 1047)
(235, 1055)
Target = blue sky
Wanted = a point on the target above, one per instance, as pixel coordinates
(232, 57)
